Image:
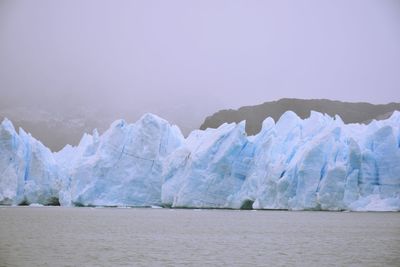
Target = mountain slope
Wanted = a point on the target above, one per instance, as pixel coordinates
(255, 115)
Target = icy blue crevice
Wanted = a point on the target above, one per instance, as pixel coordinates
(27, 159)
(398, 139)
(291, 155)
(376, 174)
(323, 171)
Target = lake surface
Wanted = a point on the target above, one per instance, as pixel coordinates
(59, 236)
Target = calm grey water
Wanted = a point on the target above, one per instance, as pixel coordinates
(56, 236)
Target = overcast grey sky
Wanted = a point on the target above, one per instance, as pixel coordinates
(195, 57)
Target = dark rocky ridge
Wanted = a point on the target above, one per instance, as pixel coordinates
(254, 115)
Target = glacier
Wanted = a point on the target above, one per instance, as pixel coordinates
(319, 163)
(120, 168)
(28, 170)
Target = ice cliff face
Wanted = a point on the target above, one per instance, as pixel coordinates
(318, 163)
(321, 163)
(121, 167)
(208, 168)
(28, 171)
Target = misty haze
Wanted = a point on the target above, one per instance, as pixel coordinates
(91, 62)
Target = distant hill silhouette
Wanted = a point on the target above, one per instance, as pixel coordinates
(255, 115)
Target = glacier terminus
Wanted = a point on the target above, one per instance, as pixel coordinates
(318, 163)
